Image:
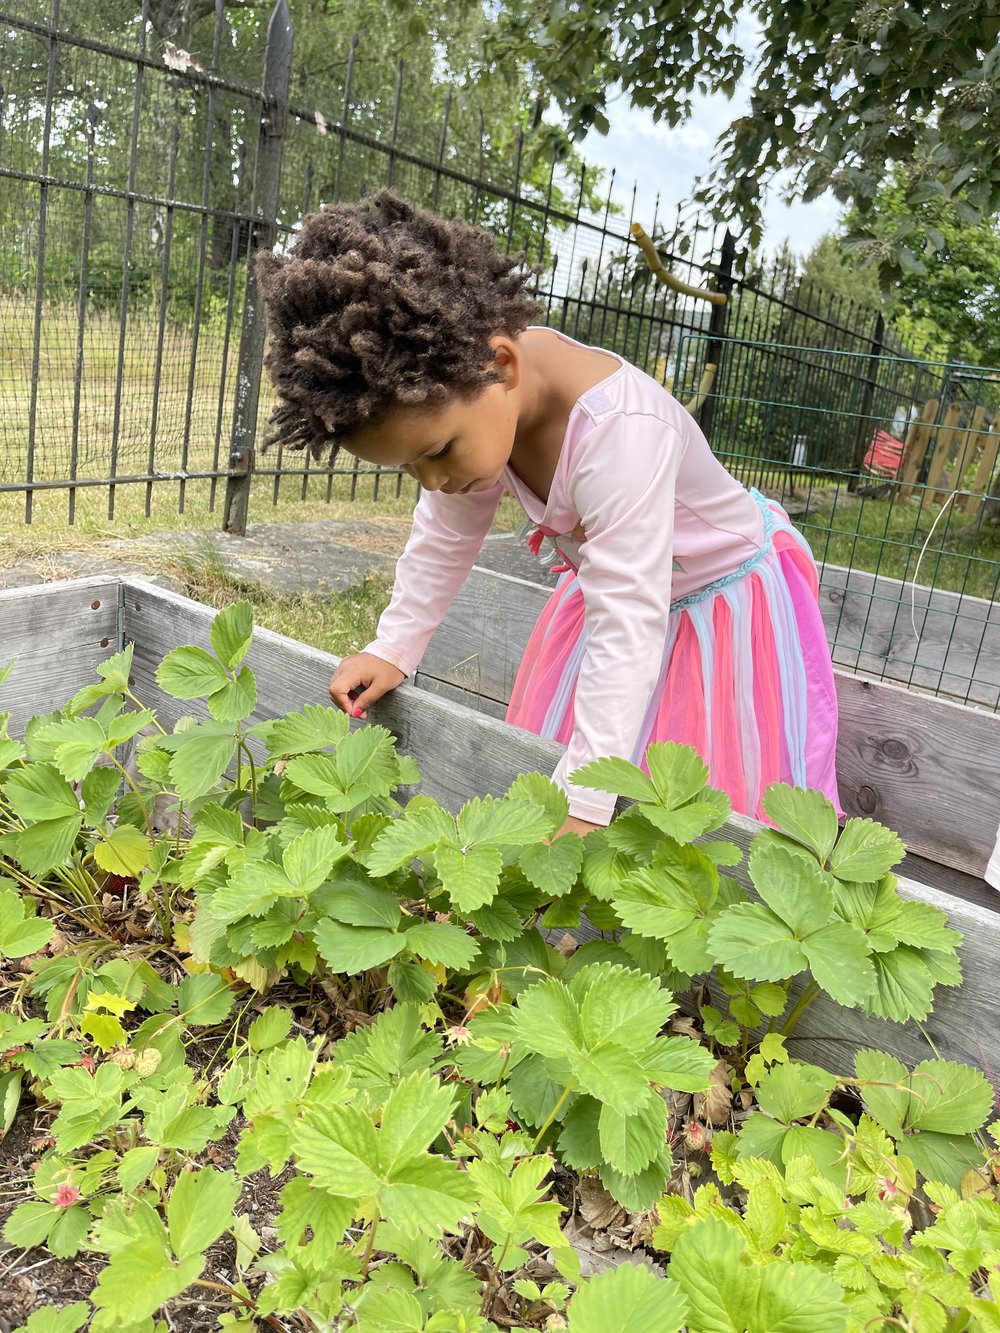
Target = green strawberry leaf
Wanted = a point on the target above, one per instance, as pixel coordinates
(839, 961)
(442, 942)
(617, 776)
(236, 699)
(116, 670)
(630, 1142)
(904, 987)
(540, 790)
(21, 932)
(354, 949)
(39, 792)
(865, 851)
(123, 851)
(553, 867)
(807, 816)
(190, 673)
(140, 1278)
(231, 633)
(947, 1158)
(308, 859)
(486, 822)
(204, 999)
(414, 833)
(200, 1209)
(314, 728)
(48, 843)
(793, 1092)
(628, 1296)
(470, 875)
(792, 885)
(200, 758)
(751, 942)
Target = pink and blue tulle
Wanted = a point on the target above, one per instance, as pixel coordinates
(745, 677)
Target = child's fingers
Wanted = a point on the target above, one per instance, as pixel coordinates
(343, 686)
(360, 699)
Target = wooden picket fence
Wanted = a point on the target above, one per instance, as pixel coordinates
(954, 448)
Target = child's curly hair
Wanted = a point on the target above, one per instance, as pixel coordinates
(378, 305)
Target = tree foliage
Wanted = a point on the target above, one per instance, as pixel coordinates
(946, 298)
(836, 90)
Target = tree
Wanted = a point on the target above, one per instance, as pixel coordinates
(188, 142)
(838, 90)
(946, 299)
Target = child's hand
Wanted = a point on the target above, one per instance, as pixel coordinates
(360, 680)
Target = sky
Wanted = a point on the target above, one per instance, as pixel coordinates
(666, 161)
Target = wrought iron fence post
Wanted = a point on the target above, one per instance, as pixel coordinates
(264, 207)
(718, 319)
(863, 434)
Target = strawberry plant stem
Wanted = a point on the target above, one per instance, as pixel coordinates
(235, 1295)
(553, 1113)
(798, 1009)
(370, 1246)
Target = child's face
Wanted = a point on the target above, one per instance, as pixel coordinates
(459, 448)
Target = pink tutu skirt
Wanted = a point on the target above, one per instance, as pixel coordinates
(745, 678)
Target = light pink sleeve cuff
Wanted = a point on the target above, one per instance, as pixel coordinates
(387, 654)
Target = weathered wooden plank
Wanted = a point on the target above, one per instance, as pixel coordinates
(918, 438)
(908, 761)
(58, 633)
(913, 762)
(462, 753)
(948, 432)
(869, 624)
(984, 471)
(972, 437)
(493, 615)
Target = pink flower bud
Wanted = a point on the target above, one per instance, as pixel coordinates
(66, 1196)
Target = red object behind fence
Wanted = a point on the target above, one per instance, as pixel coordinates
(886, 455)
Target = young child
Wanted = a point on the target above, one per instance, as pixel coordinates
(689, 611)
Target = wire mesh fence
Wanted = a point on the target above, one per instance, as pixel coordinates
(133, 152)
(888, 465)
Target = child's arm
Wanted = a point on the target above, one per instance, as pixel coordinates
(623, 485)
(447, 533)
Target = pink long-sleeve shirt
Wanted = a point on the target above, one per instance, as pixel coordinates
(645, 513)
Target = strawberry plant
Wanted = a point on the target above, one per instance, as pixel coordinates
(244, 955)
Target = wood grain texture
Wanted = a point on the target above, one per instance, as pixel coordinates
(464, 753)
(918, 438)
(990, 444)
(58, 633)
(907, 760)
(948, 432)
(869, 623)
(461, 753)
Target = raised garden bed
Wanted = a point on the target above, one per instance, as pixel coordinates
(439, 1065)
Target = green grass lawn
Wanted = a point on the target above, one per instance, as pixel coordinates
(886, 537)
(340, 623)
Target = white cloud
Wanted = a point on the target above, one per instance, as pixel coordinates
(665, 162)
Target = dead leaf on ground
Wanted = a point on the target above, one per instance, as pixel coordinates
(713, 1106)
(597, 1253)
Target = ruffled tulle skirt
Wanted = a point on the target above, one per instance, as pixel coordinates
(745, 677)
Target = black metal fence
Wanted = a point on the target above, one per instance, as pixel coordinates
(136, 177)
